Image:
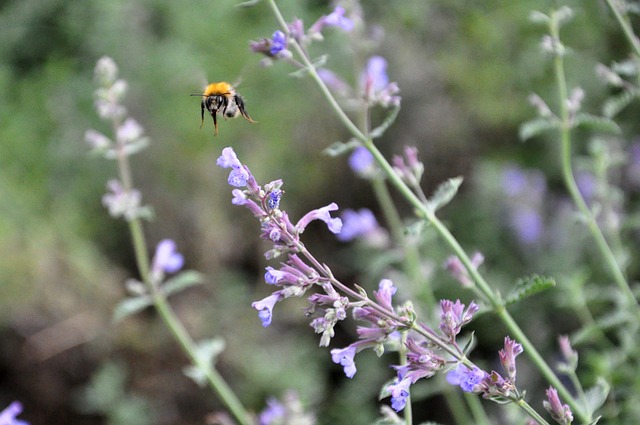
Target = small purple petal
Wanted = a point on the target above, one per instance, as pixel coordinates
(344, 357)
(228, 159)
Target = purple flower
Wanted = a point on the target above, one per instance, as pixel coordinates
(362, 162)
(454, 316)
(334, 82)
(459, 271)
(239, 175)
(8, 415)
(278, 42)
(561, 413)
(265, 307)
(228, 159)
(468, 379)
(385, 291)
(273, 200)
(344, 357)
(399, 394)
(122, 203)
(166, 258)
(527, 224)
(375, 85)
(334, 19)
(274, 413)
(323, 214)
(508, 357)
(337, 18)
(357, 224)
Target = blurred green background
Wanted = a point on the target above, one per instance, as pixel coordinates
(465, 69)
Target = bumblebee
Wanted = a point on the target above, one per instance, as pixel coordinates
(222, 98)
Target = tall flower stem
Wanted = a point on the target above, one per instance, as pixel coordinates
(166, 313)
(569, 179)
(429, 215)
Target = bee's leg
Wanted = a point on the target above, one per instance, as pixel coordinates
(240, 103)
(215, 123)
(202, 113)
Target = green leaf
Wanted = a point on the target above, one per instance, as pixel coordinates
(537, 126)
(182, 281)
(597, 395)
(444, 193)
(615, 104)
(206, 352)
(131, 305)
(528, 286)
(417, 228)
(593, 122)
(340, 148)
(379, 130)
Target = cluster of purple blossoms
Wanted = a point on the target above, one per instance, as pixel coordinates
(408, 167)
(276, 47)
(427, 350)
(8, 415)
(295, 276)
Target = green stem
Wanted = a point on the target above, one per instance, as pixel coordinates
(624, 23)
(168, 316)
(572, 187)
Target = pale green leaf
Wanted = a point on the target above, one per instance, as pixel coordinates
(537, 126)
(182, 281)
(131, 305)
(444, 193)
(528, 286)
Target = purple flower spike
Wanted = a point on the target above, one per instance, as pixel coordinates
(344, 357)
(454, 316)
(508, 357)
(385, 291)
(265, 307)
(323, 214)
(8, 415)
(561, 413)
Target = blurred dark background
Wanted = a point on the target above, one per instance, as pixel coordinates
(465, 70)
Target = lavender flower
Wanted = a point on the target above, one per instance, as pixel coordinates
(278, 42)
(361, 224)
(287, 411)
(345, 358)
(336, 18)
(469, 379)
(166, 259)
(8, 415)
(399, 394)
(561, 413)
(525, 191)
(362, 162)
(322, 214)
(375, 86)
(265, 307)
(459, 271)
(508, 357)
(410, 170)
(454, 316)
(122, 203)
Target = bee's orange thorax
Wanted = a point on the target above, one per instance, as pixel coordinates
(219, 89)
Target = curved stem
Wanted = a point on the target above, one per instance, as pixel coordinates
(572, 187)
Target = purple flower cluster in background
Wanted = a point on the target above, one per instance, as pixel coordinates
(525, 191)
(8, 415)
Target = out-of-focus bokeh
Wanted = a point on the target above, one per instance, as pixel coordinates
(465, 70)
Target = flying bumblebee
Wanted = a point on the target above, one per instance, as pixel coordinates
(222, 98)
